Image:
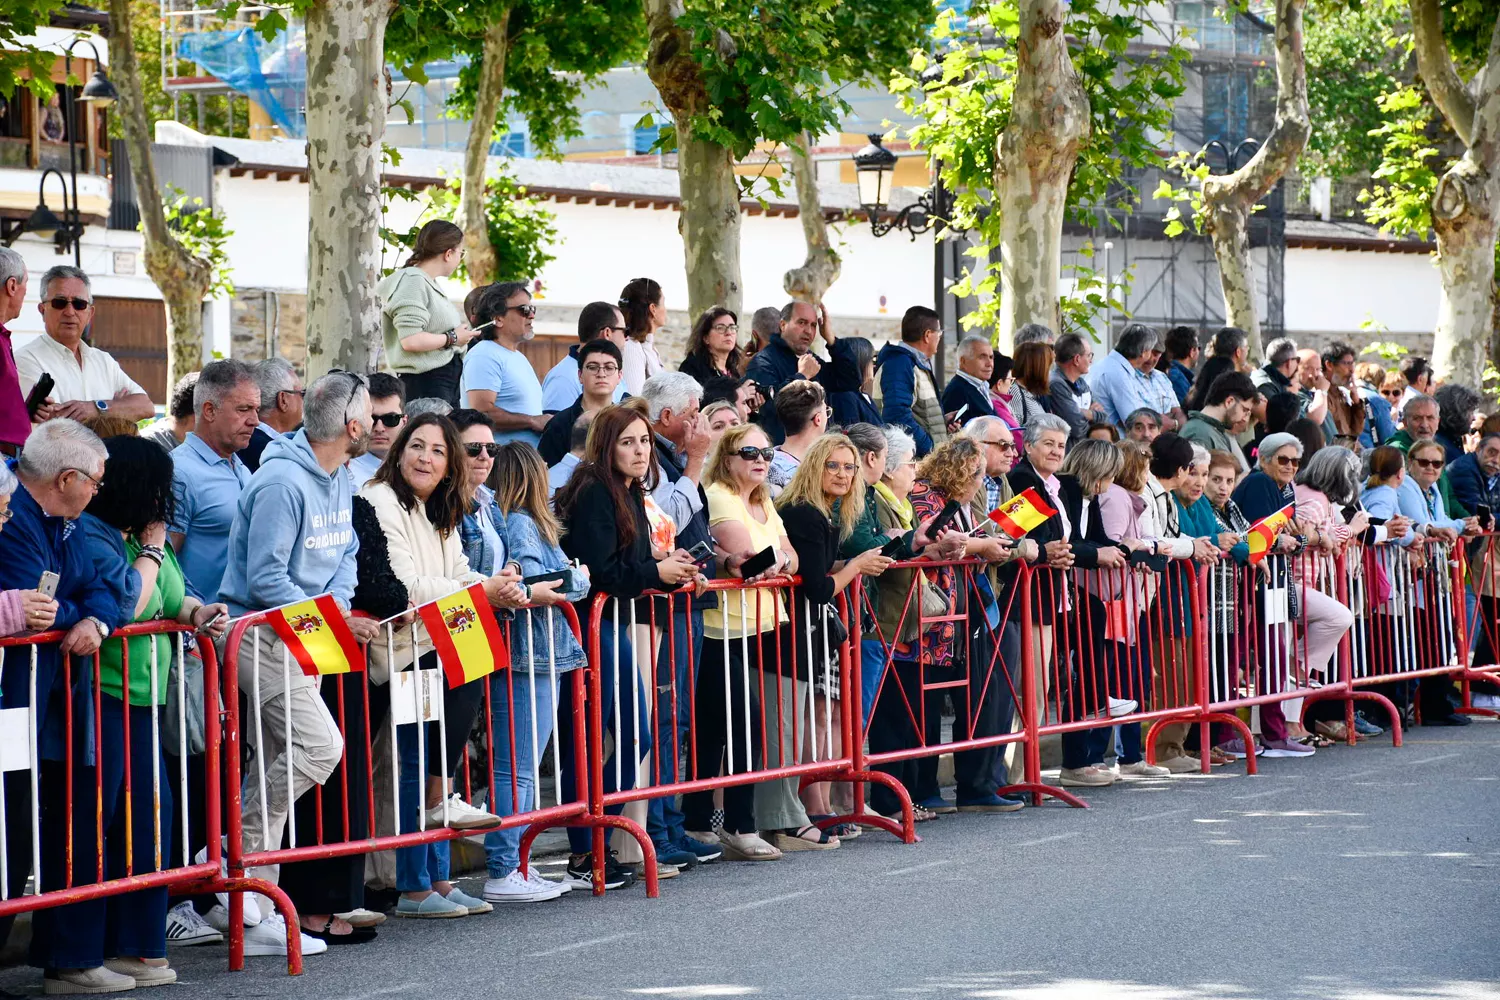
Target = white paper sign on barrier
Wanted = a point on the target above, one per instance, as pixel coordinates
(404, 699)
(15, 739)
(1278, 606)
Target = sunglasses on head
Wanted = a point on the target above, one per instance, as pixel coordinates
(63, 301)
(388, 419)
(476, 448)
(750, 454)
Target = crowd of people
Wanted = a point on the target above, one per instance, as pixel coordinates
(611, 474)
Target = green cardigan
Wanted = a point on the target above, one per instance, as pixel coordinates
(412, 302)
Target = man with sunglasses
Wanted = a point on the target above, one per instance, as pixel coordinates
(85, 380)
(498, 379)
(596, 321)
(387, 416)
(599, 366)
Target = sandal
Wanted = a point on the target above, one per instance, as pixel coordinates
(797, 840)
(356, 935)
(844, 831)
(1316, 740)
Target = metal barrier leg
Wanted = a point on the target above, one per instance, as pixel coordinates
(237, 887)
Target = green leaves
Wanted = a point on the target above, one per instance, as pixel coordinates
(521, 231)
(202, 233)
(21, 18)
(1399, 199)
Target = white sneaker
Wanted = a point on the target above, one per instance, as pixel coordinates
(1489, 701)
(217, 916)
(269, 938)
(516, 888)
(1140, 769)
(537, 879)
(460, 815)
(1122, 706)
(186, 927)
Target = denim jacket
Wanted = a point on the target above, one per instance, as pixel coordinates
(477, 550)
(537, 556)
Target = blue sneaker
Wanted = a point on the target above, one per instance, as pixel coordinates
(1365, 727)
(705, 853)
(992, 803)
(671, 854)
(937, 804)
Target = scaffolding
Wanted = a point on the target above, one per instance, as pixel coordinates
(204, 54)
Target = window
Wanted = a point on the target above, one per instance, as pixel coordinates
(510, 144)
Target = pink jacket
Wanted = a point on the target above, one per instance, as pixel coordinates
(1123, 590)
(1002, 410)
(1313, 506)
(12, 618)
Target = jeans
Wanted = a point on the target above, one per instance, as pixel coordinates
(611, 636)
(664, 821)
(442, 382)
(420, 866)
(513, 782)
(872, 664)
(82, 935)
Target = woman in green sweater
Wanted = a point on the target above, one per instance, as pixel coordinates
(422, 328)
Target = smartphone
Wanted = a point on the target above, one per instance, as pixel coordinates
(213, 621)
(890, 548)
(47, 586)
(758, 563)
(945, 517)
(561, 576)
(701, 553)
(39, 393)
(961, 411)
(1349, 513)
(1485, 517)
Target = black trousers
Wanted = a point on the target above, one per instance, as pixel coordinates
(17, 791)
(714, 698)
(900, 708)
(440, 383)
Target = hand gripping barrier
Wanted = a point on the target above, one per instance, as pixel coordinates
(333, 753)
(104, 783)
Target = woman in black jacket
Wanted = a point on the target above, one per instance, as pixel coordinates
(603, 512)
(713, 347)
(826, 485)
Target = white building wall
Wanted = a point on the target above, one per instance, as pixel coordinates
(1331, 292)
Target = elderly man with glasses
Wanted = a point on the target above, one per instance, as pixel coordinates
(85, 380)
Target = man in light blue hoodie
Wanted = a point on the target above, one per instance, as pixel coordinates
(293, 540)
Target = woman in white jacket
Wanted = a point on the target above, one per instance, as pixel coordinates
(419, 496)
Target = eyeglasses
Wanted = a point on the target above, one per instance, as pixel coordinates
(750, 454)
(294, 392)
(63, 301)
(525, 309)
(476, 448)
(356, 382)
(724, 328)
(1428, 463)
(1002, 445)
(601, 369)
(388, 419)
(844, 467)
(1288, 460)
(98, 483)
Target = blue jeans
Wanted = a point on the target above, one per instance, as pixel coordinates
(664, 821)
(511, 692)
(872, 664)
(580, 837)
(420, 866)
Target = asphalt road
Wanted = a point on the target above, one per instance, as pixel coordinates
(1358, 874)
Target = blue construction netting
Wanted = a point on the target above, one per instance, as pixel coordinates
(271, 73)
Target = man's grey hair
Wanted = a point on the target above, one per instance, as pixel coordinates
(1272, 443)
(977, 428)
(1041, 424)
(900, 446)
(274, 376)
(975, 344)
(1333, 472)
(12, 265)
(766, 321)
(428, 404)
(327, 406)
(1280, 351)
(7, 480)
(1135, 340)
(578, 438)
(1033, 333)
(670, 391)
(1421, 399)
(61, 272)
(57, 445)
(1142, 413)
(218, 379)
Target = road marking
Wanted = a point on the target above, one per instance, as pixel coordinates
(388, 991)
(919, 868)
(1362, 774)
(765, 902)
(1261, 795)
(1163, 815)
(1434, 760)
(1048, 840)
(591, 942)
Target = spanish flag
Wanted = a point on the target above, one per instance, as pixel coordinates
(317, 636)
(1021, 513)
(467, 638)
(1262, 534)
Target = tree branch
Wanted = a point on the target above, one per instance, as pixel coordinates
(1438, 72)
(809, 282)
(490, 88)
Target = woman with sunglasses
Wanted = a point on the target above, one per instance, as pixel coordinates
(644, 307)
(713, 347)
(421, 326)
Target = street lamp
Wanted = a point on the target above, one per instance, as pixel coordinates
(98, 91)
(875, 172)
(43, 221)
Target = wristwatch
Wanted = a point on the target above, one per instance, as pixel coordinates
(103, 628)
(452, 338)
(102, 404)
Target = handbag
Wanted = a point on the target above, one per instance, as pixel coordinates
(934, 604)
(185, 708)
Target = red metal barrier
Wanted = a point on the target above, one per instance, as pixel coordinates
(1480, 567)
(341, 843)
(187, 876)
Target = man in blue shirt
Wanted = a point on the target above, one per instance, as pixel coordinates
(498, 379)
(207, 474)
(560, 389)
(1182, 354)
(1122, 382)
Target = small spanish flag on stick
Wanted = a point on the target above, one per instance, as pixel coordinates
(1021, 513)
(466, 635)
(317, 635)
(1262, 534)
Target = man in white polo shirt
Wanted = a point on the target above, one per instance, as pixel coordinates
(85, 380)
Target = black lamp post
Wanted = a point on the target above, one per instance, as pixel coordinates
(98, 91)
